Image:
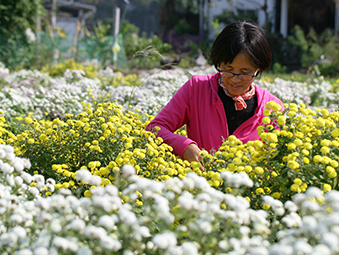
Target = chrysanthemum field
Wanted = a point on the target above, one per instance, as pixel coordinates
(80, 175)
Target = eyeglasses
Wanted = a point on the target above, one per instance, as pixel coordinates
(244, 77)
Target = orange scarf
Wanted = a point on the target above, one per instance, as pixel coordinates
(239, 99)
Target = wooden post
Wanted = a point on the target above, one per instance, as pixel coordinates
(284, 18)
(53, 16)
(115, 34)
(336, 18)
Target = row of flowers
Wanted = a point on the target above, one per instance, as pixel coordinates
(32, 91)
(178, 216)
(80, 175)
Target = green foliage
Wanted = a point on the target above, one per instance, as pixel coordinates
(15, 51)
(183, 27)
(278, 68)
(20, 14)
(329, 70)
(16, 48)
(134, 43)
(228, 16)
(142, 52)
(98, 45)
(215, 24)
(45, 49)
(312, 46)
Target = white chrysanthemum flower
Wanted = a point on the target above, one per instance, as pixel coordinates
(50, 187)
(127, 216)
(98, 191)
(188, 184)
(3, 206)
(83, 175)
(6, 168)
(301, 246)
(278, 207)
(108, 204)
(34, 191)
(79, 73)
(332, 197)
(144, 231)
(44, 238)
(111, 190)
(258, 251)
(38, 178)
(309, 223)
(236, 179)
(94, 232)
(128, 170)
(223, 244)
(16, 218)
(280, 249)
(10, 156)
(310, 206)
(331, 240)
(299, 198)
(77, 225)
(26, 162)
(321, 249)
(10, 180)
(292, 220)
(61, 242)
(244, 230)
(24, 252)
(18, 164)
(203, 197)
(261, 228)
(290, 206)
(68, 75)
(205, 227)
(26, 177)
(110, 243)
(42, 203)
(165, 240)
(95, 180)
(314, 192)
(187, 202)
(19, 231)
(106, 221)
(41, 251)
(55, 226)
(40, 186)
(2, 153)
(18, 180)
(84, 250)
(268, 200)
(127, 252)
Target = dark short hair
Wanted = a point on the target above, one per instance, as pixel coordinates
(242, 36)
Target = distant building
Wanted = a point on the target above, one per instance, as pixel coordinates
(70, 16)
(283, 15)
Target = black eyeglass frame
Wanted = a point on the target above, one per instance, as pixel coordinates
(238, 74)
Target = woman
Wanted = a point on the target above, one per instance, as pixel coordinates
(227, 103)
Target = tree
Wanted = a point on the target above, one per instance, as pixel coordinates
(17, 26)
(185, 16)
(336, 2)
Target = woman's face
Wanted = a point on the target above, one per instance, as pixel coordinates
(241, 65)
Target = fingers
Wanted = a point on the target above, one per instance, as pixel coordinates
(199, 159)
(192, 153)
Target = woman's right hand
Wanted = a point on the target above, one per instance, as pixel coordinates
(192, 154)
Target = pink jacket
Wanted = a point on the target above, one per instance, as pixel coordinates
(198, 105)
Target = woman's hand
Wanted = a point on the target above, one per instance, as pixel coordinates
(192, 154)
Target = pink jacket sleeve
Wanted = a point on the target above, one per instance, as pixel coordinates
(172, 117)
